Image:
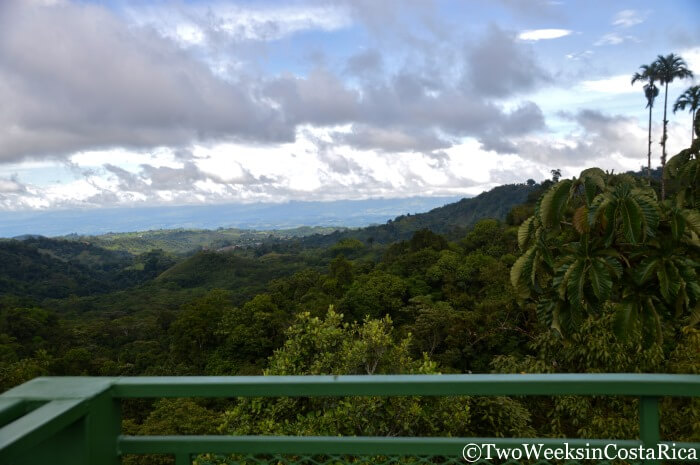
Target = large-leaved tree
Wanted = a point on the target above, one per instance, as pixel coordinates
(604, 242)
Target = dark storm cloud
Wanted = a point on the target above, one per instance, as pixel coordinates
(391, 139)
(404, 112)
(75, 76)
(438, 159)
(363, 64)
(127, 181)
(599, 136)
(321, 98)
(175, 179)
(525, 119)
(164, 178)
(390, 113)
(500, 66)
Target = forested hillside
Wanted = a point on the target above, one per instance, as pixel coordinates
(187, 241)
(39, 268)
(452, 220)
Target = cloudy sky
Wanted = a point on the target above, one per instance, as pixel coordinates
(106, 103)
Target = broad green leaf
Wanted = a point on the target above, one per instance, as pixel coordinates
(692, 218)
(677, 223)
(650, 214)
(554, 201)
(631, 220)
(545, 310)
(601, 282)
(694, 316)
(646, 268)
(562, 278)
(651, 323)
(614, 266)
(525, 231)
(522, 267)
(625, 316)
(664, 282)
(575, 282)
(579, 220)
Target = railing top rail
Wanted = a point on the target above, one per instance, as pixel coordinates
(623, 384)
(60, 402)
(351, 445)
(400, 385)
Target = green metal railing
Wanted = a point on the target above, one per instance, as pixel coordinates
(76, 420)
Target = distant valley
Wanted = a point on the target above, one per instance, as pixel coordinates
(259, 216)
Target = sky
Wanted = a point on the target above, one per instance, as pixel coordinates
(137, 103)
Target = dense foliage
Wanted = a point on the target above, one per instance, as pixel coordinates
(602, 241)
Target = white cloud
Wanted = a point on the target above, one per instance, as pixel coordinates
(308, 170)
(191, 23)
(628, 18)
(10, 186)
(543, 34)
(189, 34)
(692, 59)
(619, 84)
(579, 55)
(614, 38)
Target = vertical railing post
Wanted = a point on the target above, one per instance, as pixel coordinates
(649, 424)
(183, 459)
(102, 429)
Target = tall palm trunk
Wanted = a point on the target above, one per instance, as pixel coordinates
(663, 146)
(649, 146)
(692, 128)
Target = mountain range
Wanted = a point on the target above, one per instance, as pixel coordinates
(260, 216)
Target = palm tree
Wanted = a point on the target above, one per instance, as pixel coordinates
(690, 98)
(648, 74)
(669, 67)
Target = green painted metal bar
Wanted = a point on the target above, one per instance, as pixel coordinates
(85, 412)
(351, 445)
(103, 426)
(649, 424)
(403, 385)
(684, 445)
(183, 459)
(47, 388)
(11, 409)
(31, 429)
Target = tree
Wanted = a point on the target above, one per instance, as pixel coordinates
(192, 334)
(556, 174)
(603, 242)
(669, 67)
(649, 74)
(328, 345)
(375, 294)
(683, 170)
(691, 99)
(248, 336)
(170, 417)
